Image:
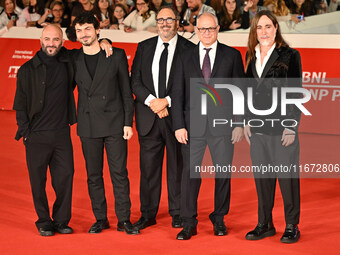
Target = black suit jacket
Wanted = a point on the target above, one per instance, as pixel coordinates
(283, 69)
(142, 81)
(186, 99)
(105, 104)
(30, 93)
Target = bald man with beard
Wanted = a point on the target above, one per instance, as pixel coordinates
(45, 109)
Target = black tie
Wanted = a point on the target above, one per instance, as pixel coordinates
(162, 72)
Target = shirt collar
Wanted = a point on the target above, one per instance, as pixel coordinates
(172, 42)
(258, 53)
(213, 46)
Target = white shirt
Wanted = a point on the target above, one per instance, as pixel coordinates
(155, 66)
(259, 67)
(212, 54)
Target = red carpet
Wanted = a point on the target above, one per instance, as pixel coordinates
(320, 209)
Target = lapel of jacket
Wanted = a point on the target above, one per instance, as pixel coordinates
(149, 53)
(269, 64)
(178, 50)
(82, 69)
(102, 66)
(218, 59)
(196, 60)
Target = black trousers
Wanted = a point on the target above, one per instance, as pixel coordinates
(222, 151)
(152, 148)
(51, 149)
(116, 151)
(265, 150)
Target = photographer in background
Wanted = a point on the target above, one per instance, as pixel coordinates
(54, 15)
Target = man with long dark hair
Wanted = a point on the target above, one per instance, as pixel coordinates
(269, 58)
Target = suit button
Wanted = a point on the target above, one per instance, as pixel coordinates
(43, 83)
(89, 98)
(41, 101)
(104, 97)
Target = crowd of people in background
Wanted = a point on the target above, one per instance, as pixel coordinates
(138, 15)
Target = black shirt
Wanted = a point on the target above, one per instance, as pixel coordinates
(55, 110)
(91, 63)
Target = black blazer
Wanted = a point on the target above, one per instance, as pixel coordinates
(283, 64)
(186, 97)
(30, 93)
(105, 104)
(142, 81)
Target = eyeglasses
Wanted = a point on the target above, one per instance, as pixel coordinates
(202, 30)
(57, 10)
(168, 20)
(141, 4)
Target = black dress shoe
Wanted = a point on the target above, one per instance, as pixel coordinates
(177, 221)
(220, 229)
(62, 228)
(99, 226)
(46, 231)
(291, 234)
(187, 233)
(128, 228)
(144, 223)
(261, 231)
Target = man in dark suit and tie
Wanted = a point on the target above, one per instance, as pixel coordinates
(105, 115)
(152, 81)
(209, 59)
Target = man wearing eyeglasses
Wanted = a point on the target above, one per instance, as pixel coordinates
(152, 81)
(209, 59)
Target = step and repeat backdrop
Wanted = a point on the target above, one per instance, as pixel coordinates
(320, 63)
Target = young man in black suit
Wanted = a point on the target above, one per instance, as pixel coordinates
(209, 59)
(152, 81)
(105, 116)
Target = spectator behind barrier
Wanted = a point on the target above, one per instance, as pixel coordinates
(54, 15)
(119, 14)
(303, 7)
(195, 8)
(104, 13)
(230, 17)
(155, 5)
(31, 14)
(140, 19)
(130, 5)
(68, 6)
(180, 6)
(8, 16)
(81, 6)
(281, 11)
(255, 9)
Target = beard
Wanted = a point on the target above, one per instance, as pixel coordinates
(89, 42)
(168, 34)
(195, 8)
(45, 49)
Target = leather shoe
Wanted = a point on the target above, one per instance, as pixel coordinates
(177, 221)
(261, 231)
(220, 229)
(46, 231)
(128, 228)
(291, 234)
(144, 223)
(62, 228)
(186, 233)
(99, 226)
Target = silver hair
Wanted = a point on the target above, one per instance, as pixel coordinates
(207, 13)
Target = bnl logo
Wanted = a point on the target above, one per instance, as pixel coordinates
(204, 97)
(238, 99)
